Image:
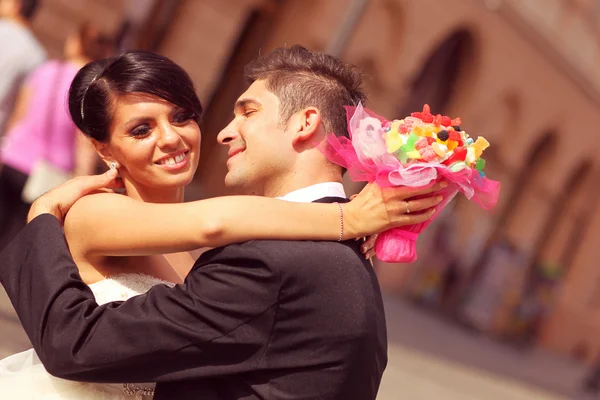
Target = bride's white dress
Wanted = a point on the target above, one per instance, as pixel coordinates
(22, 376)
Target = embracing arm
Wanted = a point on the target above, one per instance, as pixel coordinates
(205, 327)
(122, 226)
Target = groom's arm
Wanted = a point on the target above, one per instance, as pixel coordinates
(217, 322)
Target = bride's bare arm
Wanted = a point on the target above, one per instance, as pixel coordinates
(107, 224)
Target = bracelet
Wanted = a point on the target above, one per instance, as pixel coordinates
(341, 222)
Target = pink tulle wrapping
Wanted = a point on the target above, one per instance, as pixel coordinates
(366, 158)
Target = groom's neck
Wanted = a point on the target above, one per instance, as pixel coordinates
(292, 188)
(297, 182)
(302, 176)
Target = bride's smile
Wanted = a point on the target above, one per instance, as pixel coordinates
(174, 162)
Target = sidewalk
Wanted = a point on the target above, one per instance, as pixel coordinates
(413, 375)
(446, 354)
(12, 335)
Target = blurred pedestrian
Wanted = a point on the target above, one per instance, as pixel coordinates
(591, 383)
(20, 51)
(41, 140)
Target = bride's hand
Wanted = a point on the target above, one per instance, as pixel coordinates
(377, 209)
(368, 246)
(59, 200)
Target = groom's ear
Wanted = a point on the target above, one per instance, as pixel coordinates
(305, 124)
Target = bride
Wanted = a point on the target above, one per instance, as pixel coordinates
(141, 113)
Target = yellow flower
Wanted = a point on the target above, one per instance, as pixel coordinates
(396, 125)
(419, 131)
(394, 140)
(415, 155)
(480, 145)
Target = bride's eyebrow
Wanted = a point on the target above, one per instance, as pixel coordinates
(175, 111)
(134, 121)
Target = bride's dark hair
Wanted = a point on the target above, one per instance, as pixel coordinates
(96, 87)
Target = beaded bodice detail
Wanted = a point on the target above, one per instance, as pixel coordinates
(123, 287)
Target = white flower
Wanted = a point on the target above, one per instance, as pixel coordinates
(366, 136)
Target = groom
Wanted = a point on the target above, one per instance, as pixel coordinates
(257, 320)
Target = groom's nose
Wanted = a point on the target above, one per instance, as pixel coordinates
(228, 134)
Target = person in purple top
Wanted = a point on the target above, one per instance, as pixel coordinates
(40, 128)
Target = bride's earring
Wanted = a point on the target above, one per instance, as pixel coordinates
(113, 165)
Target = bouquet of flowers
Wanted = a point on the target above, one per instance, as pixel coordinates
(415, 151)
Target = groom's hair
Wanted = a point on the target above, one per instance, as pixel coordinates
(302, 78)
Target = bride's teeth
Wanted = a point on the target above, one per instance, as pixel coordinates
(177, 159)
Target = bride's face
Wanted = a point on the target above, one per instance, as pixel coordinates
(156, 143)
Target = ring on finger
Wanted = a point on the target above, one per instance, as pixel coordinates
(407, 207)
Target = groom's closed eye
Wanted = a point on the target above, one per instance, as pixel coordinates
(243, 106)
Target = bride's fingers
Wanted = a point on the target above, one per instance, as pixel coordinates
(402, 193)
(414, 218)
(83, 185)
(436, 187)
(376, 209)
(410, 206)
(117, 183)
(370, 255)
(369, 244)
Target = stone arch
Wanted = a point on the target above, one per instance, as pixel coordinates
(568, 218)
(382, 23)
(499, 120)
(529, 181)
(499, 128)
(575, 300)
(560, 238)
(586, 203)
(537, 161)
(441, 74)
(514, 238)
(253, 35)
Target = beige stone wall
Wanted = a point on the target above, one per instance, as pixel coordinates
(56, 19)
(576, 320)
(201, 37)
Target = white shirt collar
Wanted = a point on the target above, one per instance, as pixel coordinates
(315, 192)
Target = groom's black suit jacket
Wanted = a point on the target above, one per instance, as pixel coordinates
(257, 320)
